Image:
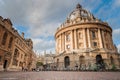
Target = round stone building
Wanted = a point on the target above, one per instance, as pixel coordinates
(84, 42)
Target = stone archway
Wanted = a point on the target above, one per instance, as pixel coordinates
(99, 59)
(99, 62)
(66, 61)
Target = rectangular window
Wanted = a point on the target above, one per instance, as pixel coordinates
(95, 44)
(0, 58)
(15, 62)
(93, 34)
(68, 37)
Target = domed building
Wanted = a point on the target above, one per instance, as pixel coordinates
(84, 41)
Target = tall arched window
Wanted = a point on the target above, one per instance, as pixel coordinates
(10, 42)
(15, 61)
(4, 38)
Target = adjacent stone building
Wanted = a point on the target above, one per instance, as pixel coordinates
(47, 59)
(16, 52)
(84, 41)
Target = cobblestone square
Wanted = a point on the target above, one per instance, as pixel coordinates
(59, 75)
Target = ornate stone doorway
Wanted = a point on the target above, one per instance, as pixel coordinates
(66, 61)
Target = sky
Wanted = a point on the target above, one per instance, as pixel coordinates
(39, 19)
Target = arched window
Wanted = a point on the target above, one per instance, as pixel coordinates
(16, 53)
(4, 38)
(10, 42)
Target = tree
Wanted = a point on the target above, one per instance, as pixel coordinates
(39, 64)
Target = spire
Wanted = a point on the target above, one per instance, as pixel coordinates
(78, 6)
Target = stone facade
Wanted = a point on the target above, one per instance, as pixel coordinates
(15, 51)
(83, 41)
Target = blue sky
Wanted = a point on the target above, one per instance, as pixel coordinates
(39, 19)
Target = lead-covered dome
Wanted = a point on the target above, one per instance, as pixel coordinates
(80, 13)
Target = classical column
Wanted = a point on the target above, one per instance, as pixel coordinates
(84, 38)
(100, 38)
(72, 39)
(60, 42)
(63, 41)
(75, 39)
(89, 42)
(103, 38)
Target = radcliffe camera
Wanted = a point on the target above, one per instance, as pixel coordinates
(59, 40)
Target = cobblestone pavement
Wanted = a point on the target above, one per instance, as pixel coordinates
(59, 75)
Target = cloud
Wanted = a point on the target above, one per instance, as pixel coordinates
(41, 17)
(118, 48)
(116, 33)
(117, 3)
(42, 45)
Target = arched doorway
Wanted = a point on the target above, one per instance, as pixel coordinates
(99, 59)
(66, 61)
(99, 62)
(5, 64)
(57, 65)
